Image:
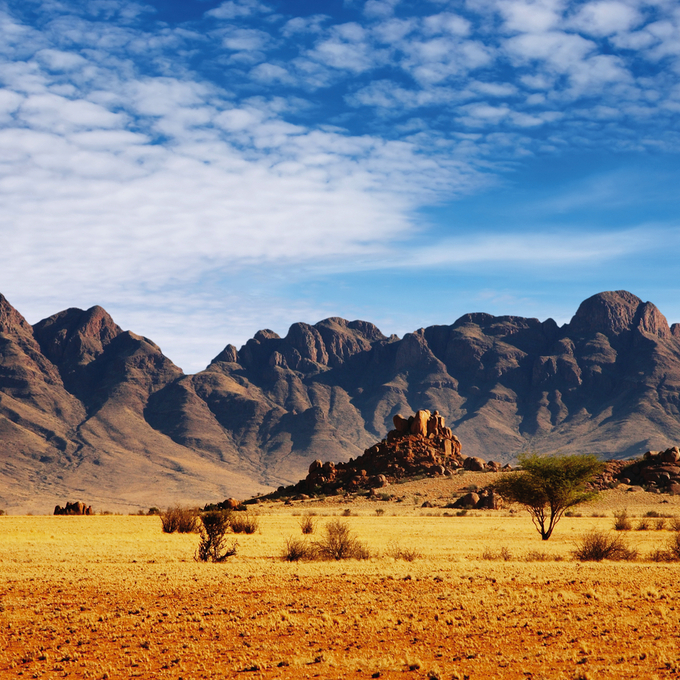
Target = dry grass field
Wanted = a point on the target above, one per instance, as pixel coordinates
(113, 597)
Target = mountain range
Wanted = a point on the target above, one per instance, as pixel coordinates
(91, 412)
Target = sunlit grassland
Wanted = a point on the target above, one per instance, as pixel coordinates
(114, 596)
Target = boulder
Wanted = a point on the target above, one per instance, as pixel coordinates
(468, 501)
(400, 423)
(671, 455)
(474, 464)
(315, 465)
(419, 424)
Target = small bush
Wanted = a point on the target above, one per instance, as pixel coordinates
(380, 512)
(346, 512)
(398, 553)
(675, 524)
(243, 523)
(339, 543)
(660, 524)
(596, 546)
(503, 554)
(643, 525)
(213, 546)
(297, 549)
(538, 556)
(182, 520)
(572, 513)
(307, 525)
(622, 521)
(652, 513)
(674, 546)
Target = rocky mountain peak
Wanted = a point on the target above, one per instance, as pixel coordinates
(10, 319)
(613, 312)
(75, 336)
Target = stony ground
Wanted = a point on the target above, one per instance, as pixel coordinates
(112, 596)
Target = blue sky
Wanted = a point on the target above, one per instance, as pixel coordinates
(205, 169)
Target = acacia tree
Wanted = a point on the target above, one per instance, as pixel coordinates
(548, 485)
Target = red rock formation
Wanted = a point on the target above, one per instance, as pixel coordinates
(420, 444)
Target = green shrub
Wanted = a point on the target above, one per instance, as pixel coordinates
(596, 546)
(213, 546)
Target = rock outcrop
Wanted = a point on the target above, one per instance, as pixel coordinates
(76, 508)
(418, 445)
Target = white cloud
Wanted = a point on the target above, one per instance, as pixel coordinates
(234, 9)
(606, 17)
(527, 16)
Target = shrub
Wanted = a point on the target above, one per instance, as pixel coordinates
(674, 546)
(503, 554)
(307, 525)
(660, 524)
(643, 525)
(398, 553)
(675, 524)
(182, 520)
(538, 556)
(243, 523)
(380, 512)
(596, 546)
(298, 549)
(622, 521)
(339, 543)
(213, 545)
(346, 512)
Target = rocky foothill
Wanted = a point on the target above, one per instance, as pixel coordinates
(76, 508)
(418, 445)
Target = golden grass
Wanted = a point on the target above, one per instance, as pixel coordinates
(112, 596)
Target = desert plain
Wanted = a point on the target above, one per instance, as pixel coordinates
(112, 596)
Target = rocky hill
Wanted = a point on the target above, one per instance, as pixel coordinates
(91, 411)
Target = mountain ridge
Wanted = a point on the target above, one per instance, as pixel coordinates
(88, 408)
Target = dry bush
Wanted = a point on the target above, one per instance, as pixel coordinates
(622, 521)
(339, 543)
(213, 546)
(596, 546)
(307, 524)
(674, 524)
(643, 525)
(398, 553)
(297, 549)
(660, 524)
(671, 553)
(244, 523)
(538, 556)
(503, 554)
(182, 520)
(380, 512)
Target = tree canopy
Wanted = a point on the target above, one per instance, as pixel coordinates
(548, 485)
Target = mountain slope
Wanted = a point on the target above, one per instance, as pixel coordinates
(91, 410)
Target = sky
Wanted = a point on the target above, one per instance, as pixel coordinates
(204, 169)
